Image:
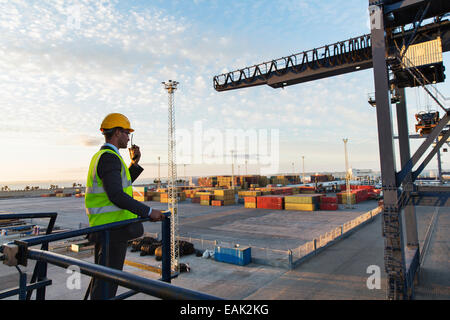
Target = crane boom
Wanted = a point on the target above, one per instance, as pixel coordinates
(342, 57)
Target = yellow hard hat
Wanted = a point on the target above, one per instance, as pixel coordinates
(113, 120)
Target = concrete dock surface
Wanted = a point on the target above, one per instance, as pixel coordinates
(339, 272)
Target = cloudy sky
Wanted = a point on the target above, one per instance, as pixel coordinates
(65, 64)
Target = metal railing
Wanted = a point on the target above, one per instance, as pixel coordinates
(291, 258)
(22, 253)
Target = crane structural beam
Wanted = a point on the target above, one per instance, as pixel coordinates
(400, 13)
(342, 57)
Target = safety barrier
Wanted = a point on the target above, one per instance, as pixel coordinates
(293, 257)
(311, 248)
(18, 253)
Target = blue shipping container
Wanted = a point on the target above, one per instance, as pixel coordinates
(239, 256)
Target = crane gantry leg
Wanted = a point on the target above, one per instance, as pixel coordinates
(394, 254)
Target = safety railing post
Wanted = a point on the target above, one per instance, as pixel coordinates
(165, 235)
(291, 265)
(22, 285)
(103, 261)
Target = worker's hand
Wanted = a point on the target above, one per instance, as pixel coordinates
(135, 154)
(156, 215)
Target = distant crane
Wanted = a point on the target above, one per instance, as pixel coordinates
(348, 176)
(172, 202)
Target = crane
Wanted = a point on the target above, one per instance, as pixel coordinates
(392, 23)
(172, 202)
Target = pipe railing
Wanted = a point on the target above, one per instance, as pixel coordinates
(161, 289)
(39, 278)
(152, 287)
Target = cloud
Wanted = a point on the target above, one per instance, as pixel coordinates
(65, 64)
(89, 141)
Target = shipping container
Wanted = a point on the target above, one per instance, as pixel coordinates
(301, 206)
(270, 202)
(217, 203)
(239, 256)
(329, 206)
(303, 198)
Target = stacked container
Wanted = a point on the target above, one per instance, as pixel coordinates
(250, 202)
(164, 197)
(243, 194)
(356, 196)
(141, 194)
(307, 190)
(217, 203)
(226, 195)
(328, 203)
(270, 202)
(205, 198)
(302, 202)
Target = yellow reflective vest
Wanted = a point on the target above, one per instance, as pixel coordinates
(99, 209)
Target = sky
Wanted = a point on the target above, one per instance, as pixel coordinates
(66, 64)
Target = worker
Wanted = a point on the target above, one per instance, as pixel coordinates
(109, 198)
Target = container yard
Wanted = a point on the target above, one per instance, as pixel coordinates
(254, 241)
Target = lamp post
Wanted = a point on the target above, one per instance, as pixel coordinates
(303, 177)
(232, 168)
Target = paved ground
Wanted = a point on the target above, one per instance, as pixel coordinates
(339, 272)
(434, 281)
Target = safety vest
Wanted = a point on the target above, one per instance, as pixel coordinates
(99, 209)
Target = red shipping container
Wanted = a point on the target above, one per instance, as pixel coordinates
(277, 191)
(287, 191)
(328, 200)
(217, 203)
(329, 206)
(270, 202)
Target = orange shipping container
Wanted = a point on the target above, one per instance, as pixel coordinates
(217, 203)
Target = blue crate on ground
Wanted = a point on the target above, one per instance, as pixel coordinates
(239, 255)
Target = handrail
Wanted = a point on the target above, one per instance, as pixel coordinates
(79, 232)
(160, 289)
(341, 50)
(5, 216)
(152, 287)
(38, 279)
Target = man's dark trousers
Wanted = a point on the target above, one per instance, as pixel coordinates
(116, 261)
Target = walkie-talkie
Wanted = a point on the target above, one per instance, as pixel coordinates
(132, 145)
